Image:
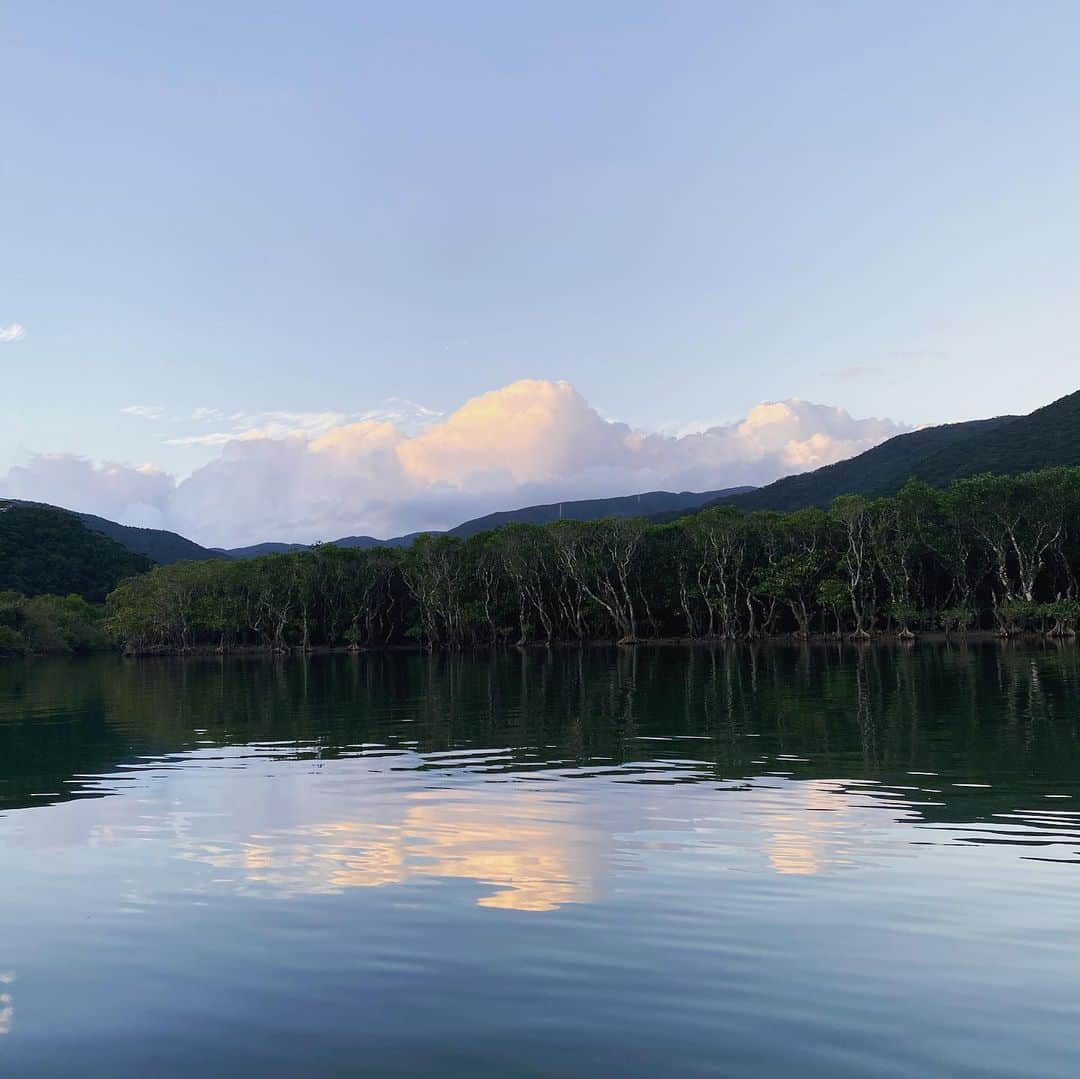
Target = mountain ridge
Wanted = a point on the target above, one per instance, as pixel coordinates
(1047, 437)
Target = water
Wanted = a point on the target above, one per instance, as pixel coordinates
(706, 862)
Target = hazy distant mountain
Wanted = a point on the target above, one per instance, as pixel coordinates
(360, 543)
(582, 510)
(158, 545)
(257, 549)
(592, 508)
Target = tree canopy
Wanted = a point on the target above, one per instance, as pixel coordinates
(48, 550)
(998, 552)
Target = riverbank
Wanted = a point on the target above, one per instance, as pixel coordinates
(786, 639)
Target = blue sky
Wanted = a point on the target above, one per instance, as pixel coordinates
(683, 209)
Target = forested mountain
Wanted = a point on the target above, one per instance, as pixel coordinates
(1049, 437)
(48, 550)
(159, 546)
(883, 469)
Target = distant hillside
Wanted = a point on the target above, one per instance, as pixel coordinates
(883, 469)
(156, 544)
(159, 546)
(1006, 445)
(593, 508)
(582, 510)
(360, 543)
(1049, 437)
(44, 549)
(257, 549)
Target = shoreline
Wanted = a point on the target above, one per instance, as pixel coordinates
(817, 640)
(788, 639)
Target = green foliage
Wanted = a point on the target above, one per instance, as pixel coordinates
(1018, 615)
(50, 625)
(45, 550)
(12, 642)
(956, 619)
(1062, 617)
(995, 552)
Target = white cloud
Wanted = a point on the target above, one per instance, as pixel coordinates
(321, 475)
(407, 416)
(246, 427)
(144, 412)
(14, 332)
(214, 438)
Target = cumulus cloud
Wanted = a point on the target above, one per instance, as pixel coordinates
(14, 332)
(307, 476)
(144, 412)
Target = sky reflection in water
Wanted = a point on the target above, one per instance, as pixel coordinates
(840, 837)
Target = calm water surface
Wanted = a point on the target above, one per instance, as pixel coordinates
(725, 862)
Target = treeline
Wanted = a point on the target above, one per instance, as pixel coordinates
(990, 552)
(50, 625)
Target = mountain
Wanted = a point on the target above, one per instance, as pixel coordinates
(159, 546)
(1049, 437)
(884, 468)
(582, 510)
(1007, 445)
(592, 508)
(44, 549)
(165, 548)
(257, 549)
(360, 543)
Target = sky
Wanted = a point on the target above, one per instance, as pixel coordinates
(268, 269)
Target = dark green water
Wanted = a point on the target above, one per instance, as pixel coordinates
(735, 862)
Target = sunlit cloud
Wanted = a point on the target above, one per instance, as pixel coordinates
(304, 476)
(13, 332)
